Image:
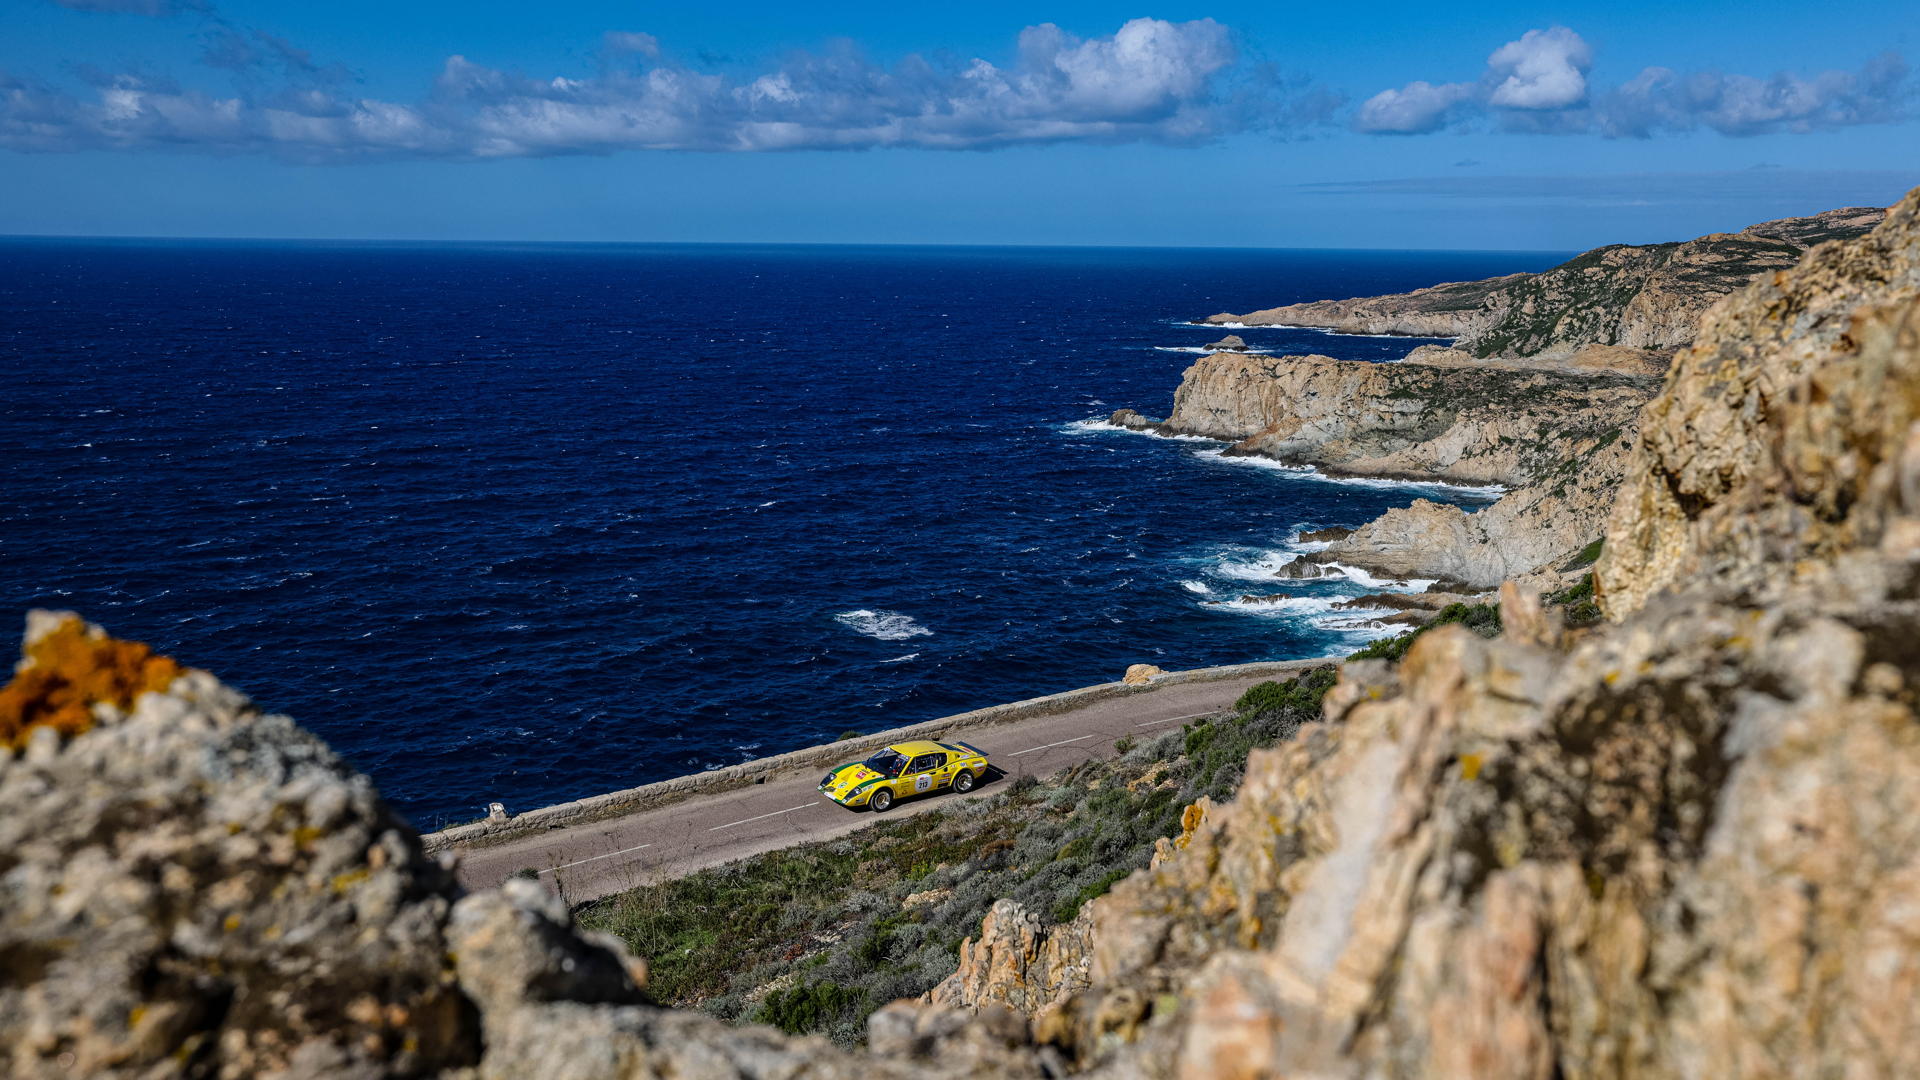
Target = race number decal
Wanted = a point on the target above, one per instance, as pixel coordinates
(924, 782)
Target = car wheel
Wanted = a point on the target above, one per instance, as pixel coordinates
(963, 783)
(881, 800)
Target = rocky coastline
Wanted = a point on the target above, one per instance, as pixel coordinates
(1677, 843)
(1645, 300)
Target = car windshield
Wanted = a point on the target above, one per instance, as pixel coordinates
(887, 763)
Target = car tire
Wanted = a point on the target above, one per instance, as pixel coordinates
(882, 801)
(963, 782)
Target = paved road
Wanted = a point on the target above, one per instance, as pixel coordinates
(593, 860)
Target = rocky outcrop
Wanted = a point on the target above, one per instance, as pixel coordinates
(1784, 433)
(1401, 420)
(191, 888)
(1450, 310)
(1230, 343)
(1642, 301)
(1533, 532)
(1686, 847)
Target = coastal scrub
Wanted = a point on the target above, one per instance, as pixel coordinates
(813, 938)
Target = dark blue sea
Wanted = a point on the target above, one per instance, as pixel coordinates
(530, 522)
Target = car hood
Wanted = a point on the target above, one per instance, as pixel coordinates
(845, 780)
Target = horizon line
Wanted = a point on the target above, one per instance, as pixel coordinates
(425, 242)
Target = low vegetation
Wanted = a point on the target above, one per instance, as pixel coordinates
(813, 938)
(1577, 602)
(1482, 619)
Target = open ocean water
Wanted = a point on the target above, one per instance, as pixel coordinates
(530, 522)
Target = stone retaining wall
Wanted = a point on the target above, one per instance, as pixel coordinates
(647, 796)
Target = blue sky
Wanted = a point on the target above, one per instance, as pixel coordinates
(1271, 124)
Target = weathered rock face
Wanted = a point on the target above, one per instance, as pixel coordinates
(1535, 531)
(1688, 847)
(1785, 433)
(191, 888)
(1647, 299)
(1402, 420)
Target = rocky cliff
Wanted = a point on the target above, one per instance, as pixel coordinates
(1419, 421)
(1638, 297)
(1558, 437)
(1683, 845)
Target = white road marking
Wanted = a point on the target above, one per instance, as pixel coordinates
(743, 821)
(595, 858)
(1171, 719)
(1049, 746)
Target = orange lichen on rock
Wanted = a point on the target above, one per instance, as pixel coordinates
(68, 670)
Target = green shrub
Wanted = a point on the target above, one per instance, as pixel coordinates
(1577, 601)
(1067, 908)
(798, 1010)
(1482, 619)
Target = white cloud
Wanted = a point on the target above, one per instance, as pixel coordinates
(1661, 99)
(1545, 69)
(1151, 80)
(1414, 109)
(1538, 84)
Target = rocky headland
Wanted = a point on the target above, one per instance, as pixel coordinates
(1634, 303)
(1558, 439)
(1541, 392)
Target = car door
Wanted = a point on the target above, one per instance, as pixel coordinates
(922, 772)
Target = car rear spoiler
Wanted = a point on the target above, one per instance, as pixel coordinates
(970, 748)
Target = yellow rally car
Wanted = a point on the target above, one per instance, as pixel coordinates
(908, 768)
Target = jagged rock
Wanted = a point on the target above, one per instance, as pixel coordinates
(192, 882)
(1132, 420)
(1645, 299)
(191, 888)
(1141, 674)
(1264, 598)
(1303, 568)
(1786, 431)
(1328, 534)
(1230, 343)
(1016, 961)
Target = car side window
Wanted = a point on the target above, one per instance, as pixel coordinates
(925, 762)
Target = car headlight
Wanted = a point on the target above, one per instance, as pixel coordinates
(827, 781)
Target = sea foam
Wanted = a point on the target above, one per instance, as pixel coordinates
(882, 625)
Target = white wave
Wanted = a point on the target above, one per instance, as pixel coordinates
(1292, 607)
(1100, 425)
(1308, 472)
(901, 659)
(1203, 350)
(1316, 329)
(1196, 587)
(882, 625)
(1254, 566)
(1362, 577)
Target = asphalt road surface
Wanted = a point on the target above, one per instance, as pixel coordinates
(586, 862)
